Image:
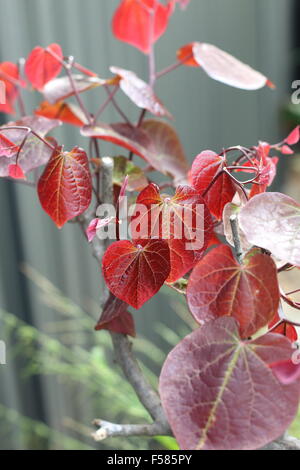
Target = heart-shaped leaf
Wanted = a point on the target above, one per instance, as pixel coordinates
(134, 272)
(41, 66)
(206, 166)
(65, 187)
(182, 220)
(219, 286)
(115, 317)
(156, 142)
(141, 22)
(272, 221)
(219, 392)
(140, 93)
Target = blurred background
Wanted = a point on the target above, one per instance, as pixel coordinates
(60, 374)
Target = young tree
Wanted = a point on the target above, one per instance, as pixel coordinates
(234, 382)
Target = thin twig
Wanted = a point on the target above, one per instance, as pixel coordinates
(236, 238)
(107, 429)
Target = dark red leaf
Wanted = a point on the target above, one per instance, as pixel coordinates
(140, 93)
(284, 329)
(65, 187)
(41, 66)
(206, 166)
(65, 112)
(34, 153)
(272, 221)
(141, 22)
(183, 220)
(134, 272)
(115, 317)
(156, 142)
(219, 392)
(220, 286)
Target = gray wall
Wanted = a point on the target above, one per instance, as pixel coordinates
(208, 115)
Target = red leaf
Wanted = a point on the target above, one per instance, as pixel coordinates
(185, 54)
(141, 22)
(219, 286)
(34, 153)
(7, 148)
(66, 112)
(294, 137)
(219, 392)
(284, 329)
(140, 93)
(134, 272)
(156, 142)
(41, 66)
(9, 73)
(115, 317)
(65, 187)
(204, 169)
(271, 221)
(16, 172)
(223, 67)
(183, 220)
(286, 150)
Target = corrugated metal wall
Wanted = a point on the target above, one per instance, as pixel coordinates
(208, 115)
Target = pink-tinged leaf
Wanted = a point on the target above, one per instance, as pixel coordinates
(34, 153)
(141, 22)
(156, 142)
(182, 220)
(16, 172)
(134, 272)
(294, 137)
(116, 318)
(206, 166)
(219, 392)
(286, 371)
(140, 93)
(272, 221)
(222, 66)
(41, 66)
(61, 88)
(286, 150)
(65, 112)
(96, 224)
(9, 74)
(65, 187)
(183, 3)
(7, 148)
(220, 286)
